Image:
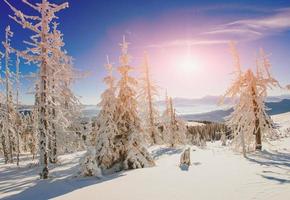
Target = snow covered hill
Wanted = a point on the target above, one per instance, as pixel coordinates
(216, 173)
(274, 108)
(206, 111)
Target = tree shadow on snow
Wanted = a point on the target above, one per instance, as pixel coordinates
(277, 179)
(165, 151)
(51, 188)
(267, 158)
(278, 160)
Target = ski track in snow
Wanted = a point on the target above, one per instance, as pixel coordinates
(216, 173)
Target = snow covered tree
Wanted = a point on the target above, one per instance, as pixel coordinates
(250, 124)
(40, 53)
(147, 94)
(63, 104)
(10, 113)
(3, 134)
(166, 113)
(30, 133)
(165, 118)
(33, 122)
(129, 139)
(106, 154)
(175, 129)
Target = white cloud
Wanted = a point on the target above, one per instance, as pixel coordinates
(277, 22)
(187, 42)
(233, 31)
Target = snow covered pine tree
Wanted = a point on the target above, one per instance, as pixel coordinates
(106, 152)
(129, 140)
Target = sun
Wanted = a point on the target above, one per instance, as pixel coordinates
(187, 63)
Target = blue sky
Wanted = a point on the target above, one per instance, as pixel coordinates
(167, 29)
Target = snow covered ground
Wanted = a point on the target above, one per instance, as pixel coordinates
(194, 124)
(216, 173)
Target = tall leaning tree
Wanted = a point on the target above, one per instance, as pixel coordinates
(249, 122)
(39, 51)
(147, 95)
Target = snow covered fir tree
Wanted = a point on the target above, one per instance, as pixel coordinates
(106, 153)
(129, 141)
(250, 124)
(83, 112)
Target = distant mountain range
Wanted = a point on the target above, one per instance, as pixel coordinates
(274, 108)
(201, 109)
(215, 100)
(207, 108)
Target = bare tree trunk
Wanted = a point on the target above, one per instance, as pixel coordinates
(52, 148)
(18, 116)
(18, 145)
(53, 145)
(7, 129)
(8, 113)
(53, 158)
(258, 140)
(43, 123)
(257, 132)
(43, 126)
(150, 106)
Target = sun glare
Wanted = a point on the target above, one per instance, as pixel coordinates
(188, 63)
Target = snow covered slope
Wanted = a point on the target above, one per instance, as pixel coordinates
(216, 173)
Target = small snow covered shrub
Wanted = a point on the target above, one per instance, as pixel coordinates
(88, 164)
(185, 157)
(223, 138)
(136, 155)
